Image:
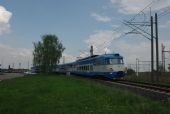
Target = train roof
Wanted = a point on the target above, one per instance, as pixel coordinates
(90, 57)
(108, 56)
(104, 56)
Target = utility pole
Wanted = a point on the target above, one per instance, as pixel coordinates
(91, 51)
(63, 59)
(163, 56)
(152, 51)
(163, 48)
(28, 65)
(136, 66)
(137, 29)
(157, 47)
(13, 65)
(19, 65)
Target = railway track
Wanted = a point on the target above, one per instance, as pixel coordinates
(153, 91)
(153, 87)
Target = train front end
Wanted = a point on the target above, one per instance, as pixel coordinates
(113, 67)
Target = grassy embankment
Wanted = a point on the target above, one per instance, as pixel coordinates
(67, 95)
(163, 80)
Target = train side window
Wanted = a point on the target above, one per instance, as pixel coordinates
(91, 67)
(107, 61)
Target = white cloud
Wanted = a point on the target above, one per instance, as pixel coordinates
(101, 40)
(84, 54)
(101, 18)
(115, 26)
(67, 58)
(140, 50)
(134, 6)
(5, 17)
(10, 56)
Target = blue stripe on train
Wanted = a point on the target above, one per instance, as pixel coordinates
(110, 75)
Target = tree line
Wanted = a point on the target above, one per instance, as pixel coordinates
(47, 53)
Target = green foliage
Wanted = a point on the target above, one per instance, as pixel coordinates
(47, 53)
(41, 94)
(130, 72)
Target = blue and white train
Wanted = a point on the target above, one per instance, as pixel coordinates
(107, 65)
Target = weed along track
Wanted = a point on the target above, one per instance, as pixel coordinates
(156, 88)
(155, 92)
(147, 90)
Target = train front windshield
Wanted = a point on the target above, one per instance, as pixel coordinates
(116, 61)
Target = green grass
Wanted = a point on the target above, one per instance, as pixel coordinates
(147, 79)
(68, 95)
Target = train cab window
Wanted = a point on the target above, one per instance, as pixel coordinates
(116, 61)
(120, 61)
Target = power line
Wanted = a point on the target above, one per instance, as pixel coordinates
(164, 13)
(142, 11)
(118, 29)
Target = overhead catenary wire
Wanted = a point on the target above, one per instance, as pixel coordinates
(163, 11)
(132, 19)
(123, 33)
(166, 12)
(142, 11)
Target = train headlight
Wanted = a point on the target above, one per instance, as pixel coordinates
(111, 69)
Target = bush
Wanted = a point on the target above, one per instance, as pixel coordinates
(130, 72)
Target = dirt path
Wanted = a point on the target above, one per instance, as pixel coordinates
(6, 76)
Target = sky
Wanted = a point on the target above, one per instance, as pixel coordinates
(78, 25)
